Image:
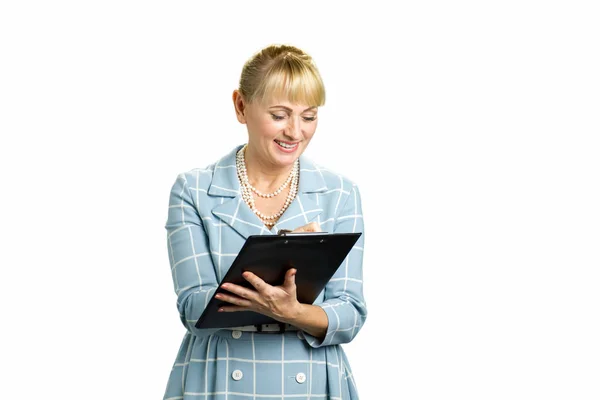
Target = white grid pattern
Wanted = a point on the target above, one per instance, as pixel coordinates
(207, 225)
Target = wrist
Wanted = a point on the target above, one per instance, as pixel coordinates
(294, 314)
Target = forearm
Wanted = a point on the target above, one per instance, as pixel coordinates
(309, 318)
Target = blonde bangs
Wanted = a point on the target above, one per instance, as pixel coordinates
(292, 80)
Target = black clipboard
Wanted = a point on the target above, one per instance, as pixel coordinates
(315, 255)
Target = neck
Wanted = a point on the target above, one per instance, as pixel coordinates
(264, 176)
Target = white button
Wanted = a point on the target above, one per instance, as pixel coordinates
(237, 375)
(300, 335)
(300, 377)
(236, 334)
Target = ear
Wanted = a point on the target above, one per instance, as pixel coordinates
(240, 106)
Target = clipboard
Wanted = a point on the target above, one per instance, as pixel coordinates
(315, 255)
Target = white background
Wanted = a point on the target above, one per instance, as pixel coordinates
(471, 129)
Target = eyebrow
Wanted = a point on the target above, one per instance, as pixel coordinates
(290, 110)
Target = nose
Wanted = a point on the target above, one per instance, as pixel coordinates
(294, 129)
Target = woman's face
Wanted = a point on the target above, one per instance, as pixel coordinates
(279, 131)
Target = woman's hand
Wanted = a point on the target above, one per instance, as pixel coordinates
(312, 227)
(278, 302)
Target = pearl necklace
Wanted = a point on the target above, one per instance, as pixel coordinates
(247, 189)
(275, 193)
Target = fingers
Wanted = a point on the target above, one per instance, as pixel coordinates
(312, 227)
(255, 281)
(241, 291)
(233, 299)
(232, 308)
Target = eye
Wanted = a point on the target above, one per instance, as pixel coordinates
(310, 119)
(277, 117)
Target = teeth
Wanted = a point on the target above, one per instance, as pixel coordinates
(287, 146)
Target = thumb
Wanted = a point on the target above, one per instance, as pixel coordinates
(290, 278)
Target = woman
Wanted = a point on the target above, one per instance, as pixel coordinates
(259, 188)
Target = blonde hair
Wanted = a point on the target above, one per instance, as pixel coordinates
(282, 72)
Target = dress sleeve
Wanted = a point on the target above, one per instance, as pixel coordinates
(343, 302)
(192, 269)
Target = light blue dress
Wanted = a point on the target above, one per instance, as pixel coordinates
(208, 222)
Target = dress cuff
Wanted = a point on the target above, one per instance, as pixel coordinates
(332, 324)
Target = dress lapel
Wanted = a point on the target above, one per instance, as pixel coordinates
(304, 208)
(234, 211)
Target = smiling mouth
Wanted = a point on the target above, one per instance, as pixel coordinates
(287, 145)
